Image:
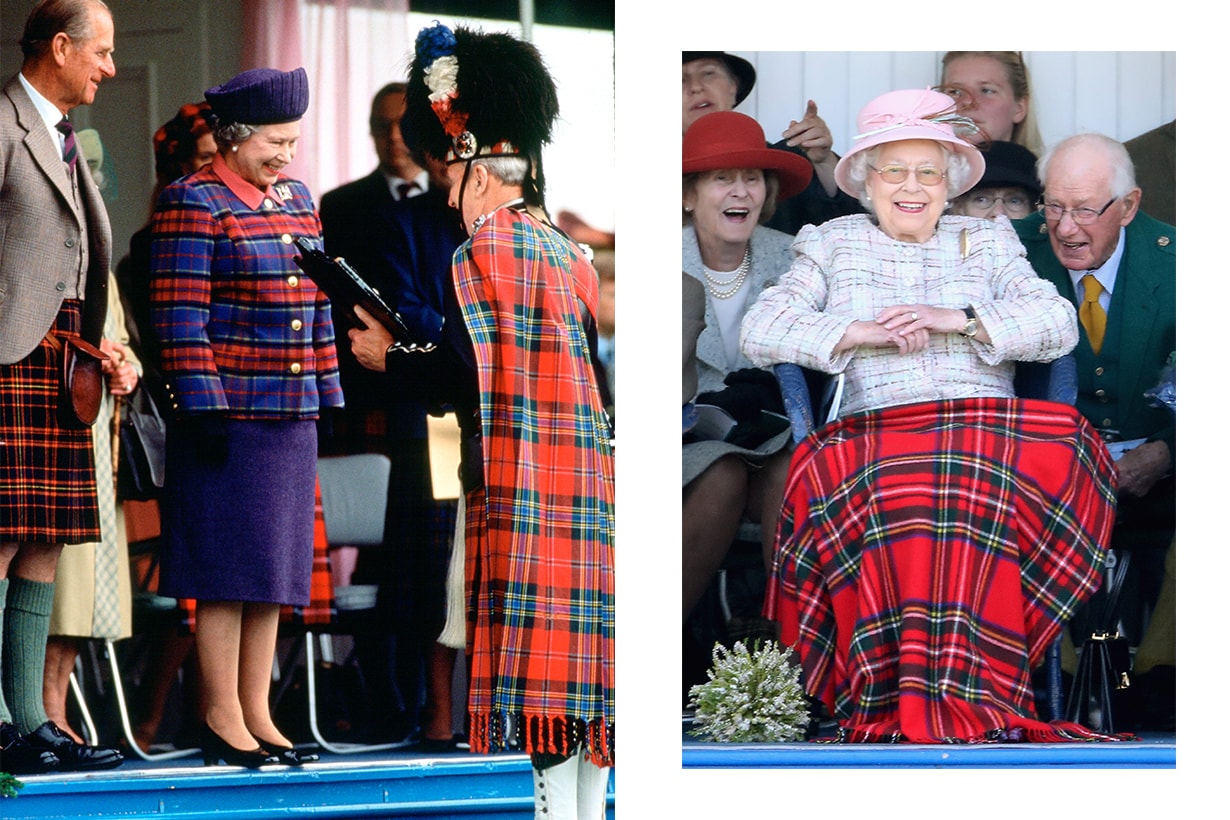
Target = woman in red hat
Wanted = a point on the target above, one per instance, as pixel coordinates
(936, 537)
(731, 184)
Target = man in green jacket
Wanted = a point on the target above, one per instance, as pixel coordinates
(1117, 265)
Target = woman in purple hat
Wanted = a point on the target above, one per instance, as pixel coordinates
(247, 349)
(936, 537)
(731, 185)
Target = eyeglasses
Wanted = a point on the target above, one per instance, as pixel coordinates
(926, 174)
(1013, 203)
(1081, 216)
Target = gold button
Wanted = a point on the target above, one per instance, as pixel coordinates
(287, 239)
(1163, 241)
(296, 368)
(293, 281)
(295, 324)
(1105, 423)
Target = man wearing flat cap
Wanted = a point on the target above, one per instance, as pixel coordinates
(53, 286)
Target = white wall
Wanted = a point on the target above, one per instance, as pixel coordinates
(1119, 93)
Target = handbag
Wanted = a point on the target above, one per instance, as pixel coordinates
(1099, 695)
(81, 380)
(143, 442)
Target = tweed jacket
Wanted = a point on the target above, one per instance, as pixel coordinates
(848, 270)
(771, 258)
(41, 233)
(1140, 328)
(241, 328)
(540, 535)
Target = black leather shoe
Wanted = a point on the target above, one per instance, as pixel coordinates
(74, 756)
(288, 754)
(214, 748)
(17, 756)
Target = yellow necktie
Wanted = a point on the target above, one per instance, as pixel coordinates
(1092, 316)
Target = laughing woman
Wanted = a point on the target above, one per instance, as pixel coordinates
(731, 183)
(936, 537)
(247, 348)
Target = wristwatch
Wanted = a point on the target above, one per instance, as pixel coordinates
(971, 322)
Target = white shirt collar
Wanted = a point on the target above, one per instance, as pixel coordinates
(395, 181)
(1106, 274)
(46, 110)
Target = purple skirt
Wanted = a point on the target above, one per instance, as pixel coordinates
(241, 530)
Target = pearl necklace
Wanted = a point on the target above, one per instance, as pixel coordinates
(726, 288)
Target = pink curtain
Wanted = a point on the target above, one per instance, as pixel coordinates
(350, 48)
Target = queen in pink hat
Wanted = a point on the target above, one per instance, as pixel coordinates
(907, 572)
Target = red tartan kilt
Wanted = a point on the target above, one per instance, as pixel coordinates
(48, 490)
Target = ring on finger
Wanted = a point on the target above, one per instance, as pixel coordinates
(914, 316)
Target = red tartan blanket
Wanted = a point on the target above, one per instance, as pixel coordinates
(929, 554)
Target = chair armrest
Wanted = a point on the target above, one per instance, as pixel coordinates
(796, 397)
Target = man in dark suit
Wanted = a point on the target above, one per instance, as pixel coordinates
(1117, 265)
(347, 214)
(53, 286)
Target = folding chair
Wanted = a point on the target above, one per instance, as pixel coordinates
(354, 497)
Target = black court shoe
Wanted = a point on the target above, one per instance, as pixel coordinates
(288, 754)
(216, 749)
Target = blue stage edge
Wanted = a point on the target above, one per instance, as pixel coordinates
(459, 788)
(1156, 752)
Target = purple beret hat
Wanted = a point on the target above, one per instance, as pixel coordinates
(261, 96)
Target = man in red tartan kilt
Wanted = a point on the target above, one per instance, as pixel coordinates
(539, 503)
(54, 264)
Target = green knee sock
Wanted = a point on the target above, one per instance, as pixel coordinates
(25, 650)
(5, 717)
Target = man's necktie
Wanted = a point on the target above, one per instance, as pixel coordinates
(70, 143)
(1092, 316)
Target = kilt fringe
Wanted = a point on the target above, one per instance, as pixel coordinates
(542, 734)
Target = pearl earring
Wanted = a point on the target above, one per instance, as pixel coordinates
(234, 149)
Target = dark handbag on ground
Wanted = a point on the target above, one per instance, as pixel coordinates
(81, 380)
(143, 441)
(1100, 689)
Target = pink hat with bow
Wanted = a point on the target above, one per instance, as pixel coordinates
(913, 114)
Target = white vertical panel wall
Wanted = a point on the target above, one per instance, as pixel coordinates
(1119, 93)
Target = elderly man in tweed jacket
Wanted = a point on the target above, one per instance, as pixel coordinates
(55, 253)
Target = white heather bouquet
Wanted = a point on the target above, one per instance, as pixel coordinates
(751, 697)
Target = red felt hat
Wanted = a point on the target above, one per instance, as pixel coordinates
(728, 139)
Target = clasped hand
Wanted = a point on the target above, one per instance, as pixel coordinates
(906, 327)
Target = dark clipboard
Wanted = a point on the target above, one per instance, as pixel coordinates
(346, 289)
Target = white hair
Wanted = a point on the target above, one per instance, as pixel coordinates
(1122, 171)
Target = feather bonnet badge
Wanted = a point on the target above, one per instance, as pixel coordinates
(473, 94)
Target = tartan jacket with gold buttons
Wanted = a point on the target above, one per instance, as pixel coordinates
(242, 329)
